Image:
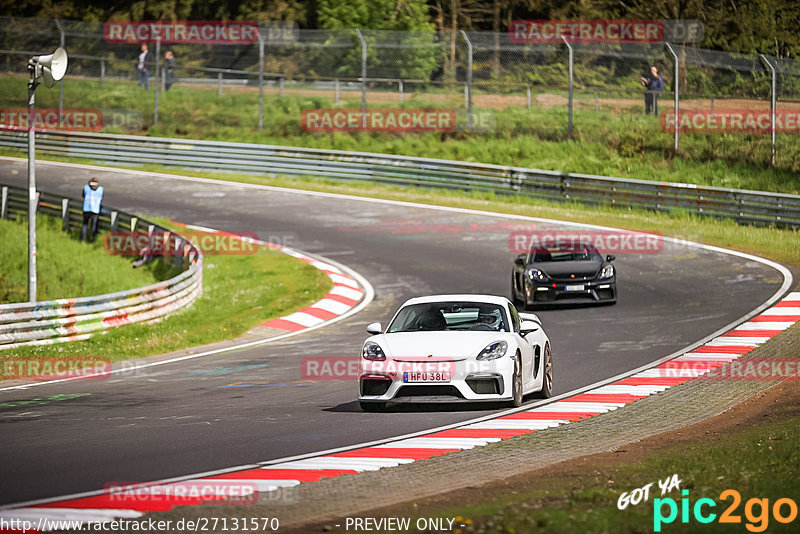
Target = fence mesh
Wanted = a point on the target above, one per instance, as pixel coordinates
(455, 71)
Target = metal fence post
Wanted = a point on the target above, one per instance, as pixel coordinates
(772, 103)
(677, 92)
(468, 86)
(597, 100)
(336, 90)
(400, 89)
(219, 84)
(281, 85)
(61, 82)
(102, 71)
(569, 121)
(363, 78)
(65, 214)
(33, 196)
(712, 105)
(157, 80)
(4, 203)
(260, 80)
(529, 97)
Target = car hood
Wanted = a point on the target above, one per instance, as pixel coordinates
(566, 268)
(443, 346)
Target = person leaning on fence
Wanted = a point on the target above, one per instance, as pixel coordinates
(143, 64)
(169, 70)
(653, 86)
(92, 204)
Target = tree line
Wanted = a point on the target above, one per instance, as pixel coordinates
(765, 26)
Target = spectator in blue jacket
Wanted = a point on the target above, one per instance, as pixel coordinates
(653, 86)
(92, 204)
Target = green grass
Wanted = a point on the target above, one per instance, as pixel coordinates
(66, 268)
(760, 462)
(239, 293)
(626, 144)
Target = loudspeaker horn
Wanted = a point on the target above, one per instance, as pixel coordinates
(52, 67)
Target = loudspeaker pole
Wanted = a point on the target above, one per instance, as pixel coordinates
(32, 207)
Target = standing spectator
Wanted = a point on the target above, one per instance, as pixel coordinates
(92, 204)
(169, 70)
(143, 67)
(653, 86)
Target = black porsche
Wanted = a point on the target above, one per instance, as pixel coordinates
(551, 275)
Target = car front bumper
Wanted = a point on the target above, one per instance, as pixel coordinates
(469, 380)
(553, 292)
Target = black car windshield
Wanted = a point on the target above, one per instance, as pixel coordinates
(545, 254)
(442, 316)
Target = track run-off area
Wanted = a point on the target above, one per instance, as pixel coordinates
(251, 405)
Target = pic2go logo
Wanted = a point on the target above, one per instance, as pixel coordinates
(756, 511)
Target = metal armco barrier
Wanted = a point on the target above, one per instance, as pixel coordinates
(746, 207)
(56, 321)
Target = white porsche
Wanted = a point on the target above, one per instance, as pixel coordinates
(455, 348)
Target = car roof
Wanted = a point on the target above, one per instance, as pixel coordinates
(464, 297)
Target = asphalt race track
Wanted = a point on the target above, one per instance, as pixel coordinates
(185, 417)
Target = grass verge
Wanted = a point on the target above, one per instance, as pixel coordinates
(622, 142)
(239, 293)
(66, 268)
(760, 462)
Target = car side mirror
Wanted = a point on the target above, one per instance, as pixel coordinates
(611, 257)
(374, 328)
(526, 327)
(520, 260)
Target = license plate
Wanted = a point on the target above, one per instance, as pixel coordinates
(424, 376)
(574, 288)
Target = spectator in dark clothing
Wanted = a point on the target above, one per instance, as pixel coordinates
(653, 85)
(92, 204)
(143, 63)
(169, 70)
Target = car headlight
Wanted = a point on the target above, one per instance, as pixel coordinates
(372, 351)
(536, 275)
(493, 351)
(607, 272)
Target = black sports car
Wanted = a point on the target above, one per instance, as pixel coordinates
(549, 275)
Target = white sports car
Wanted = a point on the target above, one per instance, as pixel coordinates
(452, 348)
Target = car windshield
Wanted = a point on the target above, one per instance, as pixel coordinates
(441, 316)
(546, 254)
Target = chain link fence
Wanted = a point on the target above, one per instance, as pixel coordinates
(484, 79)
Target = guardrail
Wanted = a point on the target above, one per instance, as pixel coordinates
(743, 206)
(55, 321)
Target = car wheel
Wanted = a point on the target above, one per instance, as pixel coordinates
(372, 406)
(516, 382)
(547, 379)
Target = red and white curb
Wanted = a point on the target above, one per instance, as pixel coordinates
(345, 295)
(271, 476)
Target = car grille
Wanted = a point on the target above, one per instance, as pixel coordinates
(567, 279)
(429, 391)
